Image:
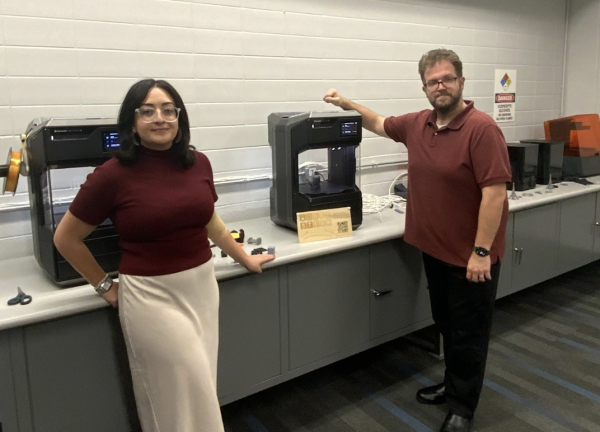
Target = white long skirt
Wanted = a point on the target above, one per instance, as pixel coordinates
(170, 324)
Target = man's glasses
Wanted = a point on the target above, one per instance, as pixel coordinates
(446, 82)
(147, 113)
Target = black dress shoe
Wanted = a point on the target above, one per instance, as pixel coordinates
(456, 423)
(433, 395)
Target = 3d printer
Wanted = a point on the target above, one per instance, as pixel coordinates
(314, 164)
(55, 145)
(581, 135)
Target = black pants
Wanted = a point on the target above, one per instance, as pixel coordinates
(462, 311)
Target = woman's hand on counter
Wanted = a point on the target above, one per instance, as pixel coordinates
(112, 295)
(254, 262)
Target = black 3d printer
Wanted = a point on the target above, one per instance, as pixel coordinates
(295, 190)
(59, 144)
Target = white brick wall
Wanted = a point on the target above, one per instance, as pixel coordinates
(235, 61)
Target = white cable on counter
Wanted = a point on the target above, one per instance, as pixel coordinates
(376, 204)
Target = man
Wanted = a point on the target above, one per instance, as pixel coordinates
(456, 215)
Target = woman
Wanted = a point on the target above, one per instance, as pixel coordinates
(160, 196)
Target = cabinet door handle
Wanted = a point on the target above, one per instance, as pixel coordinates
(516, 257)
(597, 224)
(381, 293)
(520, 255)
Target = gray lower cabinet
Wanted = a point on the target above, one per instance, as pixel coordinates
(398, 288)
(68, 375)
(505, 278)
(249, 332)
(328, 306)
(535, 241)
(576, 238)
(543, 242)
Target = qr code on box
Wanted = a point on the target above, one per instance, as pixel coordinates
(342, 227)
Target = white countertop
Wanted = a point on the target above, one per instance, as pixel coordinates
(51, 302)
(542, 195)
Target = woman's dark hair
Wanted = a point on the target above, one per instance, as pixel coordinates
(129, 153)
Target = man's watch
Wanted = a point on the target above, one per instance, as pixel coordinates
(104, 285)
(482, 252)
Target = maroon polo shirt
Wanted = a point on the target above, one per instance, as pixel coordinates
(159, 209)
(446, 170)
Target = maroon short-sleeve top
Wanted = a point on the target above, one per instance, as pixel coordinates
(159, 209)
(447, 168)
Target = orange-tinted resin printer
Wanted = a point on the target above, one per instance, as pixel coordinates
(581, 135)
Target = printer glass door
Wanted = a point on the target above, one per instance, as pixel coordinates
(59, 187)
(320, 174)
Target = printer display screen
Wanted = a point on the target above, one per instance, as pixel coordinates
(110, 141)
(349, 128)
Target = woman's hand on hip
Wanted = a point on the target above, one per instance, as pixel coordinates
(112, 295)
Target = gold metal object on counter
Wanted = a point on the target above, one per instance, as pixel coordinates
(13, 163)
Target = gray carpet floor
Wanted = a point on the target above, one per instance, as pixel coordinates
(543, 374)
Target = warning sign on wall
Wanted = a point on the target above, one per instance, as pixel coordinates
(505, 95)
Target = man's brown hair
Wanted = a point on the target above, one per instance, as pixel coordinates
(435, 56)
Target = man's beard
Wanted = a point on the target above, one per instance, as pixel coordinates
(446, 108)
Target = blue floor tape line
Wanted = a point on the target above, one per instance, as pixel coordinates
(413, 373)
(392, 408)
(566, 309)
(253, 423)
(401, 414)
(552, 378)
(580, 346)
(557, 418)
(564, 383)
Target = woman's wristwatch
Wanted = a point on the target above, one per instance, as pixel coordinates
(104, 285)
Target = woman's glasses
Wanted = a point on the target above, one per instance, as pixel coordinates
(148, 114)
